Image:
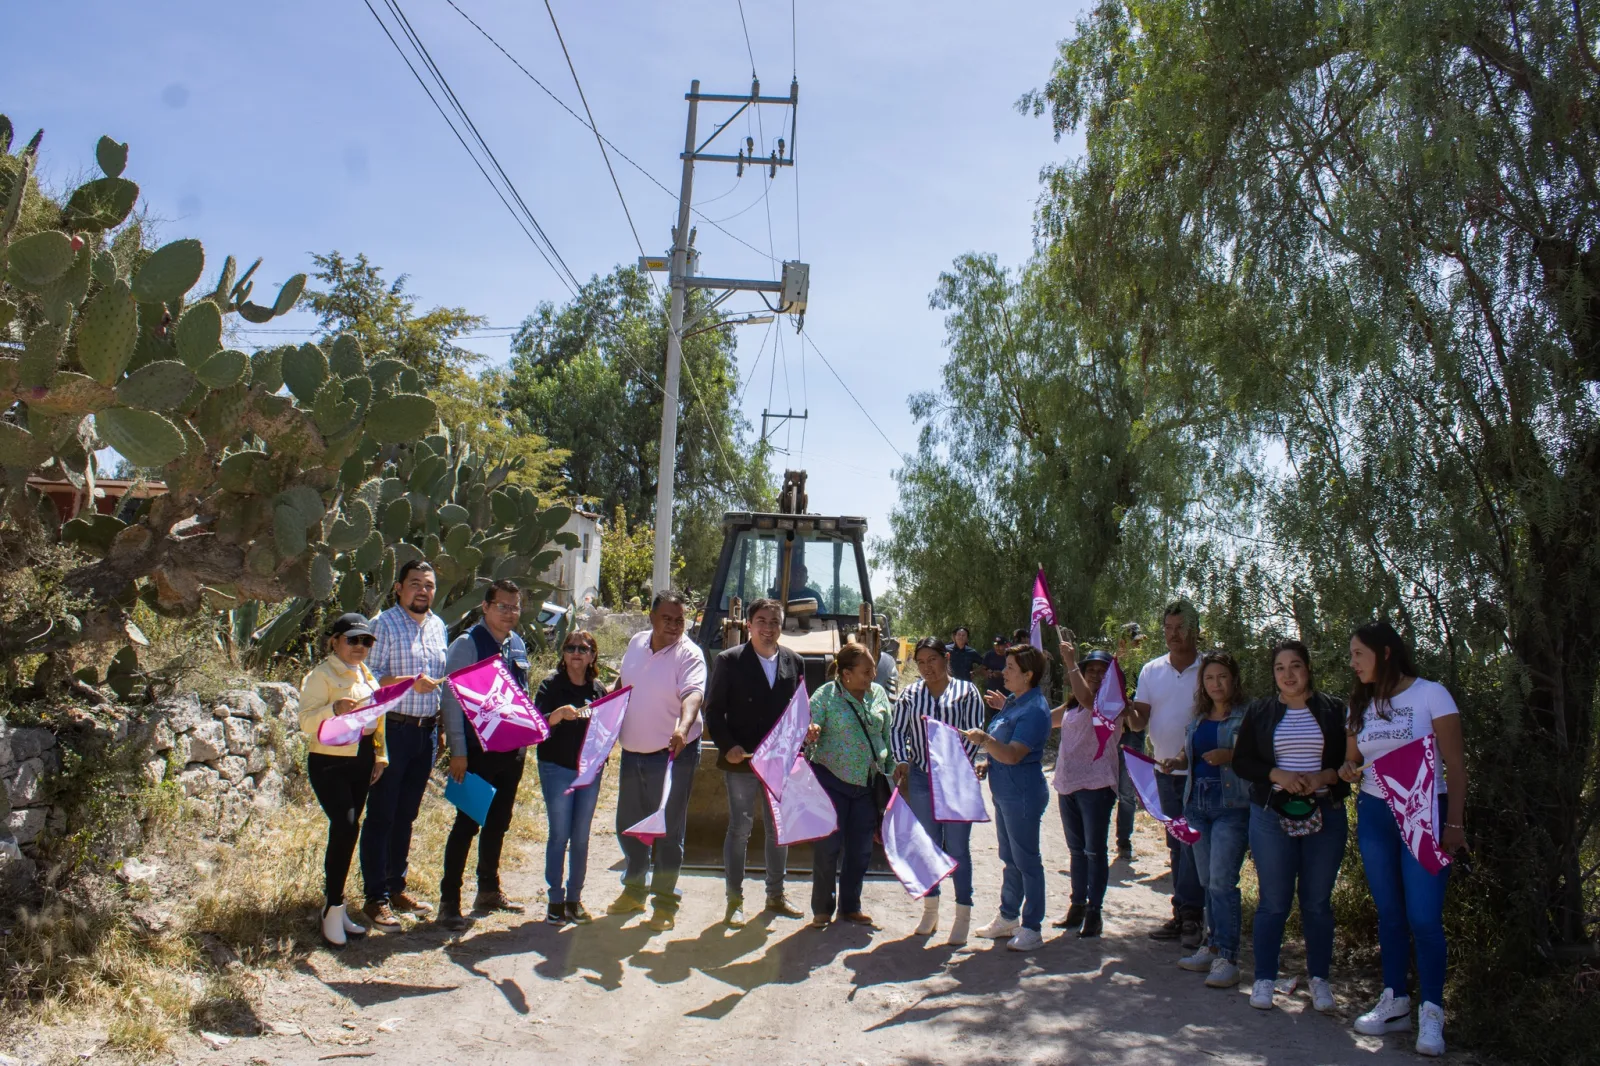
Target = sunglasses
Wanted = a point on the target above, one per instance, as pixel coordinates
(364, 642)
(575, 649)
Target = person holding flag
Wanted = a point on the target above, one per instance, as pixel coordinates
(341, 775)
(1396, 717)
(563, 698)
(494, 635)
(751, 685)
(948, 699)
(1085, 778)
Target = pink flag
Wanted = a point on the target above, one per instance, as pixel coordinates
(957, 793)
(605, 723)
(653, 826)
(1405, 776)
(806, 811)
(774, 756)
(1043, 612)
(1110, 701)
(345, 729)
(498, 708)
(1142, 772)
(916, 860)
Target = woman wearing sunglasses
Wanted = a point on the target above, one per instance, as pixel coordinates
(340, 775)
(563, 699)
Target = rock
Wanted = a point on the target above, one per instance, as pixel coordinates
(155, 769)
(240, 734)
(5, 746)
(135, 870)
(257, 759)
(207, 743)
(25, 787)
(198, 780)
(162, 736)
(269, 789)
(30, 743)
(25, 826)
(232, 768)
(244, 703)
(184, 712)
(16, 869)
(181, 748)
(56, 822)
(280, 697)
(154, 919)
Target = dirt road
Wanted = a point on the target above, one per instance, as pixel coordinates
(777, 992)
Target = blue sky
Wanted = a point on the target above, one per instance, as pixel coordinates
(289, 127)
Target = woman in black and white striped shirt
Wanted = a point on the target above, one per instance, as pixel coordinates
(1290, 748)
(956, 703)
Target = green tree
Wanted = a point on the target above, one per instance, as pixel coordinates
(586, 377)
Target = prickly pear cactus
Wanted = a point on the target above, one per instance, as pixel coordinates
(295, 473)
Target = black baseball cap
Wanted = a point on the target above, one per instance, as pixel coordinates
(1099, 656)
(350, 625)
(999, 638)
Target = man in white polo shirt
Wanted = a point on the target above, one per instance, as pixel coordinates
(1166, 694)
(661, 731)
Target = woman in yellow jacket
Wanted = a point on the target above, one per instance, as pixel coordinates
(340, 776)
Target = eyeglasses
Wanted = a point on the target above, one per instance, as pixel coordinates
(361, 641)
(507, 608)
(576, 649)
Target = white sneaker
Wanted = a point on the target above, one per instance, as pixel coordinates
(351, 928)
(930, 916)
(1430, 1030)
(1322, 995)
(960, 925)
(333, 925)
(1200, 961)
(1224, 974)
(1261, 995)
(1391, 1014)
(1026, 940)
(1000, 927)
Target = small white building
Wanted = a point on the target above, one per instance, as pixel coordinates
(576, 574)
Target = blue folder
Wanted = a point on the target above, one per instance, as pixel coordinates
(472, 797)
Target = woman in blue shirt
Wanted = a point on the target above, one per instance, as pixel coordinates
(1014, 743)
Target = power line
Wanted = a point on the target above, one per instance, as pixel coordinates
(806, 338)
(747, 47)
(549, 257)
(610, 144)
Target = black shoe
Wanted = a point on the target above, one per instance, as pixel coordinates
(1171, 929)
(450, 918)
(1193, 933)
(556, 914)
(577, 913)
(1125, 852)
(733, 917)
(783, 908)
(1073, 918)
(1092, 923)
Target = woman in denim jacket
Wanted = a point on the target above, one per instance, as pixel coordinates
(1216, 803)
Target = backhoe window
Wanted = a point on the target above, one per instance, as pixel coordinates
(823, 568)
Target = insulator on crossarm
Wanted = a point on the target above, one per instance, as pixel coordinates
(780, 147)
(772, 169)
(739, 173)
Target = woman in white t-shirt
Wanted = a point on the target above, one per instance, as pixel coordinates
(1391, 707)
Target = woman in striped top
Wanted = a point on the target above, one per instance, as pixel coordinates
(955, 703)
(1290, 748)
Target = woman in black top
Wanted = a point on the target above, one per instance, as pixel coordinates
(563, 699)
(1290, 748)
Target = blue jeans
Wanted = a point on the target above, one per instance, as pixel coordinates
(1127, 799)
(1017, 814)
(569, 818)
(954, 837)
(1218, 855)
(1188, 898)
(1410, 901)
(640, 778)
(1284, 862)
(1086, 818)
(745, 794)
(392, 806)
(840, 859)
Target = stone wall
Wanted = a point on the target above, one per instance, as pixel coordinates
(229, 755)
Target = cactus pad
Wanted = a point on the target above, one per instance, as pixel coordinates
(40, 259)
(170, 272)
(160, 386)
(345, 358)
(224, 369)
(247, 472)
(101, 204)
(351, 531)
(304, 371)
(199, 334)
(142, 437)
(108, 328)
(320, 577)
(111, 156)
(288, 531)
(400, 418)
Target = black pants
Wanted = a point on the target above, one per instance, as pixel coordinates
(839, 861)
(340, 783)
(503, 770)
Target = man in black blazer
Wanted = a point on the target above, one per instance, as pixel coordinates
(751, 684)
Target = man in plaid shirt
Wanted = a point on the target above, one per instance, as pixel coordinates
(409, 641)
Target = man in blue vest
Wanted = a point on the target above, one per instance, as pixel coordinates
(495, 635)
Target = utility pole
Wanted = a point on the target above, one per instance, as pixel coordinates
(792, 290)
(778, 418)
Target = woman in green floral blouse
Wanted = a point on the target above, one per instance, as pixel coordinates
(849, 745)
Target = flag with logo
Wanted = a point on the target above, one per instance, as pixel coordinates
(499, 709)
(1142, 773)
(653, 826)
(806, 811)
(1043, 612)
(774, 756)
(344, 729)
(1109, 702)
(1406, 778)
(957, 793)
(916, 860)
(605, 724)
